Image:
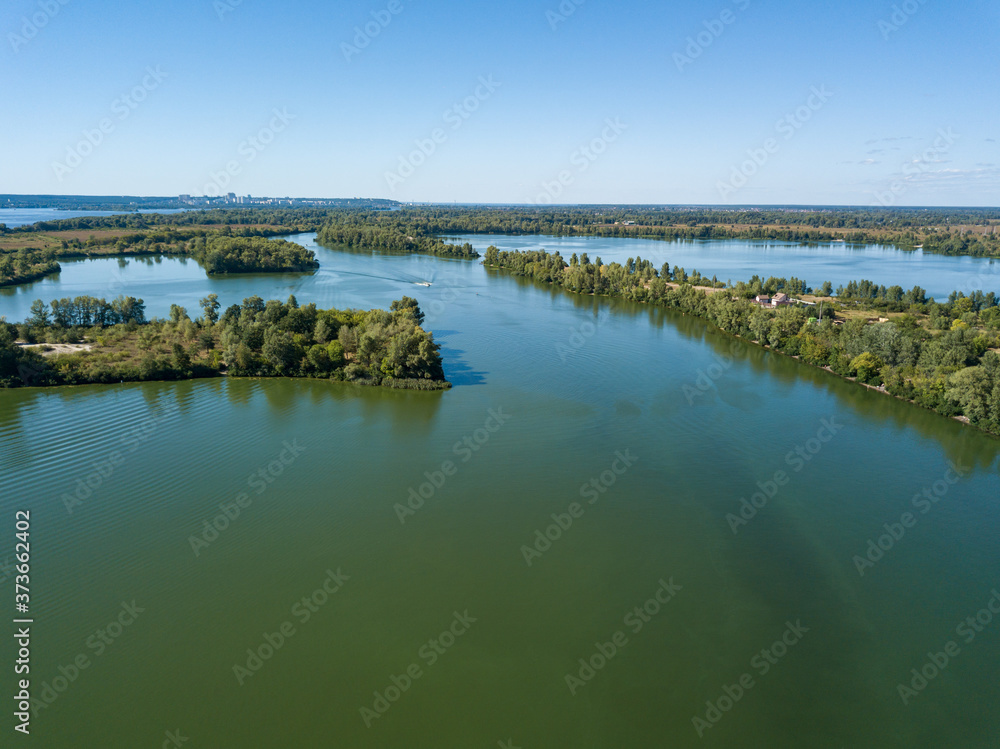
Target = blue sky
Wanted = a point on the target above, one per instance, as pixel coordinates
(729, 101)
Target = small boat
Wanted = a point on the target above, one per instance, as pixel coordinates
(422, 283)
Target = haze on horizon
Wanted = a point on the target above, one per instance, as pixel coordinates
(735, 102)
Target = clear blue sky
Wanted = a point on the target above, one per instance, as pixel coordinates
(688, 126)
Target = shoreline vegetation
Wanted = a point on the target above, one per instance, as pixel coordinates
(29, 253)
(255, 339)
(942, 356)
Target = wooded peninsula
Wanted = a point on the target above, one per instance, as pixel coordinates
(255, 339)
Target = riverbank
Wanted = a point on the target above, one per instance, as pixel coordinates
(939, 356)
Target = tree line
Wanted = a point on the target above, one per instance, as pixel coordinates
(420, 229)
(85, 312)
(353, 232)
(936, 230)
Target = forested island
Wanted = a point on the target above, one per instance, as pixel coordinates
(114, 342)
(218, 252)
(381, 238)
(944, 356)
(227, 254)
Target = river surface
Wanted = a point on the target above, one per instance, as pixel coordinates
(23, 216)
(649, 427)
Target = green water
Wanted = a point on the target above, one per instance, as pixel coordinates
(576, 381)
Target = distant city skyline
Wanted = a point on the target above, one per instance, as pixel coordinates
(546, 102)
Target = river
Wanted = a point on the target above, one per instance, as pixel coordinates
(609, 444)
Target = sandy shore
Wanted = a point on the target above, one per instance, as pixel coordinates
(58, 348)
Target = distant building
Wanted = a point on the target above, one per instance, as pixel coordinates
(778, 300)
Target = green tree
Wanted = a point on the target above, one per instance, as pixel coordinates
(319, 359)
(408, 305)
(281, 352)
(182, 360)
(210, 305)
(971, 388)
(39, 314)
(325, 331)
(867, 367)
(335, 352)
